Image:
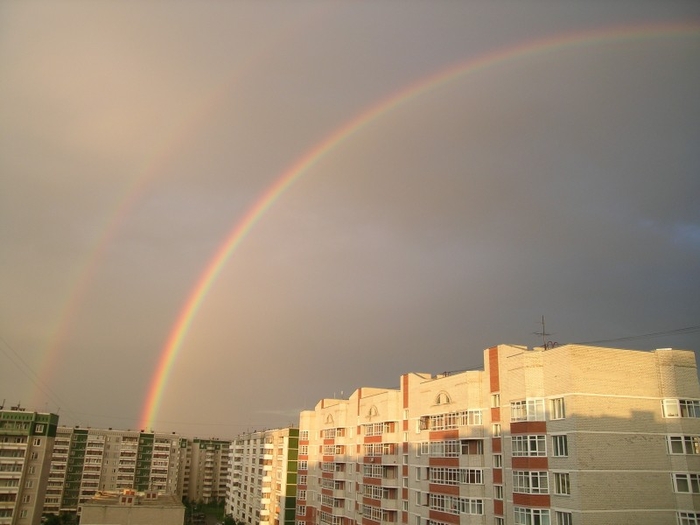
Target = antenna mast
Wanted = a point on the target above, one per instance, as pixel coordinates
(543, 333)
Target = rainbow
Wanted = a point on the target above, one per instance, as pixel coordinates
(323, 148)
(113, 222)
(154, 166)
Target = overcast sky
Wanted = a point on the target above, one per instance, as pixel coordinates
(135, 135)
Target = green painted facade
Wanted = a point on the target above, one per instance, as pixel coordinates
(290, 500)
(74, 468)
(20, 423)
(144, 459)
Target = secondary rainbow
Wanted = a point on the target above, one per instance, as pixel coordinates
(324, 147)
(154, 167)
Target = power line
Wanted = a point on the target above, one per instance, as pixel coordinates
(31, 375)
(677, 331)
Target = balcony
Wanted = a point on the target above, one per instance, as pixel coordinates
(391, 504)
(14, 446)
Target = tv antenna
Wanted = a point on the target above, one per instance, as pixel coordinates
(543, 333)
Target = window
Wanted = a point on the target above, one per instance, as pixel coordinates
(421, 498)
(527, 410)
(684, 444)
(562, 484)
(302, 479)
(529, 446)
(304, 435)
(377, 429)
(442, 399)
(560, 446)
(301, 495)
(562, 518)
(29, 484)
(443, 449)
(557, 408)
(681, 408)
(495, 400)
(39, 428)
(27, 498)
(525, 516)
(496, 430)
(499, 521)
(455, 504)
(498, 461)
(455, 476)
(451, 420)
(530, 482)
(301, 510)
(686, 482)
(498, 491)
(688, 518)
(304, 450)
(34, 455)
(303, 465)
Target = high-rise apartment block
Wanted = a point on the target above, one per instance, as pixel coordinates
(206, 470)
(86, 461)
(262, 487)
(26, 442)
(571, 435)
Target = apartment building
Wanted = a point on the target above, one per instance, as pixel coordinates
(571, 435)
(86, 461)
(263, 482)
(206, 470)
(26, 441)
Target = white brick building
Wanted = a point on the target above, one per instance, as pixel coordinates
(573, 435)
(263, 482)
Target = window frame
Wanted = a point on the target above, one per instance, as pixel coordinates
(563, 518)
(691, 480)
(562, 484)
(674, 408)
(528, 409)
(688, 517)
(560, 446)
(529, 445)
(688, 444)
(531, 482)
(557, 408)
(530, 516)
